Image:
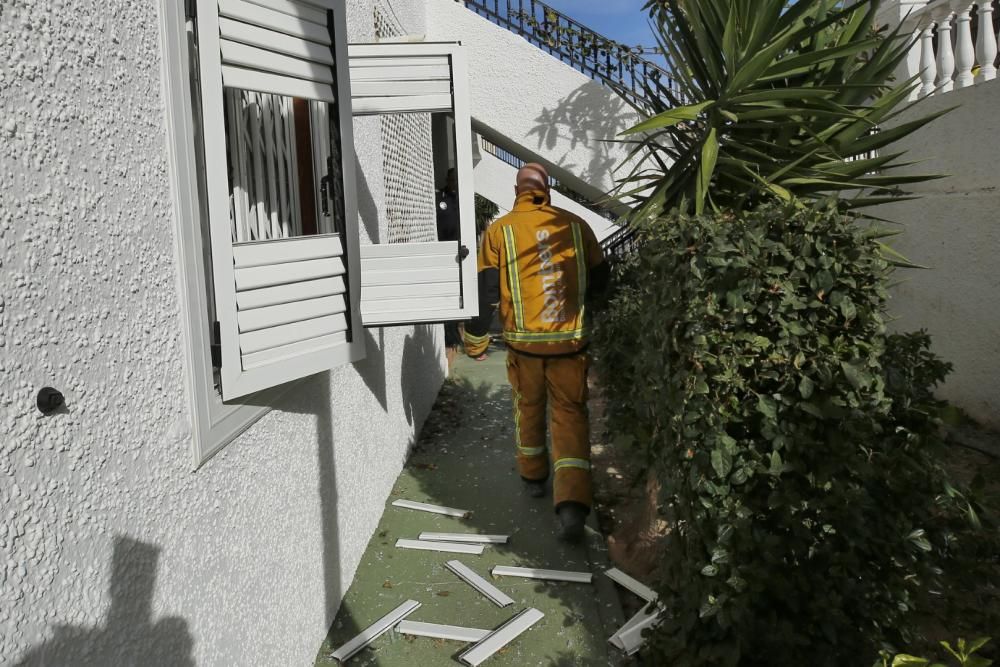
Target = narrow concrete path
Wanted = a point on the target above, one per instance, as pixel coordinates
(465, 459)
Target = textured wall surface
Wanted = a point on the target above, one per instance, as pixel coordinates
(954, 229)
(522, 95)
(112, 550)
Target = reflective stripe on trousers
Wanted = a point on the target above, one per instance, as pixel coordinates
(559, 383)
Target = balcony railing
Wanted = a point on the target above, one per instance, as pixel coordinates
(956, 43)
(621, 67)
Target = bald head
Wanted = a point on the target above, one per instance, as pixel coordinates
(532, 176)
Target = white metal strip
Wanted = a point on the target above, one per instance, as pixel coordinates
(470, 577)
(287, 313)
(640, 589)
(290, 272)
(410, 263)
(447, 248)
(389, 61)
(630, 639)
(265, 339)
(502, 636)
(401, 73)
(262, 82)
(533, 573)
(295, 26)
(273, 41)
(641, 617)
(360, 89)
(271, 164)
(275, 296)
(375, 278)
(465, 537)
(257, 155)
(402, 49)
(244, 55)
(421, 545)
(413, 104)
(453, 289)
(437, 631)
(292, 8)
(372, 632)
(374, 319)
(436, 303)
(433, 509)
(285, 352)
(300, 249)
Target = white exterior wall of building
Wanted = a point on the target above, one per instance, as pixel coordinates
(245, 560)
(522, 95)
(954, 229)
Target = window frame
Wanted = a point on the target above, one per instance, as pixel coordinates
(214, 424)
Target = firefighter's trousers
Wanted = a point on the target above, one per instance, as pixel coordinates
(561, 383)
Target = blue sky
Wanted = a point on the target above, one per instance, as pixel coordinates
(622, 20)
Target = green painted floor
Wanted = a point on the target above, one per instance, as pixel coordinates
(464, 459)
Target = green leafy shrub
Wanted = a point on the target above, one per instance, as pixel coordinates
(796, 442)
(964, 655)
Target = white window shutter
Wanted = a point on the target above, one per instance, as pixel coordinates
(283, 304)
(408, 283)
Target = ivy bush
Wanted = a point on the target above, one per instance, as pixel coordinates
(796, 441)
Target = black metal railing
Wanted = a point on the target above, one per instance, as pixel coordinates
(619, 66)
(620, 244)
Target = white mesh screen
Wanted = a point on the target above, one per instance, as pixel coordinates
(408, 165)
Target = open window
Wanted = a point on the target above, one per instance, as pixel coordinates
(279, 161)
(429, 281)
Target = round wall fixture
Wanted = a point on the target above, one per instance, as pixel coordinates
(49, 400)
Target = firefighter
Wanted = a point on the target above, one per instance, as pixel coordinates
(538, 263)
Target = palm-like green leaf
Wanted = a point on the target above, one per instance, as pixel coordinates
(771, 98)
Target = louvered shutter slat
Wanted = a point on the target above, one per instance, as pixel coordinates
(266, 339)
(273, 41)
(283, 304)
(419, 282)
(293, 26)
(275, 296)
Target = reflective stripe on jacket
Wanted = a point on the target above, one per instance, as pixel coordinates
(543, 255)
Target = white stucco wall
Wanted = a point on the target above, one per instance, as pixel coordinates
(245, 560)
(954, 229)
(522, 95)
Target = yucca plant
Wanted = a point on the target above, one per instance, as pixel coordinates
(770, 99)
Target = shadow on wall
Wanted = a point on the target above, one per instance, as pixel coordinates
(591, 118)
(129, 635)
(421, 372)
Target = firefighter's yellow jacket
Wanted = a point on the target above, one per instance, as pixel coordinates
(535, 263)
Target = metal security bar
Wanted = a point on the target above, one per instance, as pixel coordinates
(620, 67)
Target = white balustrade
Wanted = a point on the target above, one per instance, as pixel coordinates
(946, 54)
